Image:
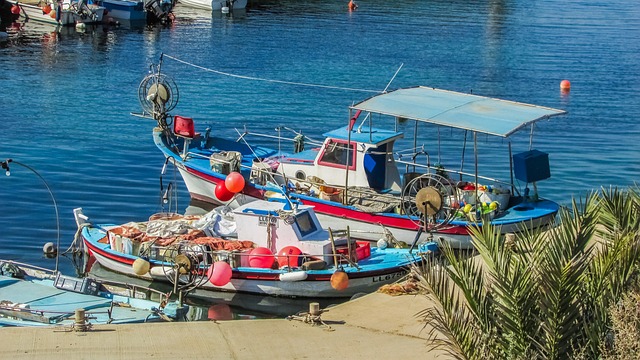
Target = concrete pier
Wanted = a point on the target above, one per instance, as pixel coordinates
(375, 326)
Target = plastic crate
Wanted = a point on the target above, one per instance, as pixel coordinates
(83, 286)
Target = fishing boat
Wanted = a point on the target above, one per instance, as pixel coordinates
(35, 296)
(65, 13)
(216, 5)
(149, 11)
(356, 177)
(278, 248)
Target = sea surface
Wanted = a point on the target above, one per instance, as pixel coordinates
(66, 97)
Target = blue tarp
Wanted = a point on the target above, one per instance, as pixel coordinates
(457, 110)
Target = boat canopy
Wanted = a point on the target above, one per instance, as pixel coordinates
(457, 110)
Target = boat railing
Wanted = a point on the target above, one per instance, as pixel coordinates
(428, 168)
(202, 256)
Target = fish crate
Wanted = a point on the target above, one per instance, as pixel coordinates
(83, 286)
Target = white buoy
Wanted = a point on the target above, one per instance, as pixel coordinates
(49, 248)
(382, 244)
(81, 26)
(225, 9)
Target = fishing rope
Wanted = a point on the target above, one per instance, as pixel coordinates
(268, 80)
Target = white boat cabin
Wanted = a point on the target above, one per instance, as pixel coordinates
(273, 225)
(366, 152)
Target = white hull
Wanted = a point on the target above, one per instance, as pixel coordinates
(66, 17)
(203, 190)
(311, 289)
(214, 5)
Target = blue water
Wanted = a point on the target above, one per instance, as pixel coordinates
(66, 97)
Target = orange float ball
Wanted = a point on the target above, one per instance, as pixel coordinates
(234, 182)
(46, 9)
(15, 9)
(565, 85)
(339, 280)
(288, 256)
(52, 14)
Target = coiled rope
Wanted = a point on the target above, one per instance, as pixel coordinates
(268, 80)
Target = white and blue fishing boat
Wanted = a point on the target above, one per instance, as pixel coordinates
(34, 296)
(277, 250)
(148, 11)
(356, 177)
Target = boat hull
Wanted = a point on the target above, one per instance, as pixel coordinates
(215, 5)
(65, 18)
(201, 186)
(317, 283)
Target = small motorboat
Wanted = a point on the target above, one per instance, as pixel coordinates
(278, 248)
(34, 296)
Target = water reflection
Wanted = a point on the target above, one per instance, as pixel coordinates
(213, 305)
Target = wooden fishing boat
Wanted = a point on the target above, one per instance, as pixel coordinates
(66, 13)
(356, 177)
(34, 296)
(283, 251)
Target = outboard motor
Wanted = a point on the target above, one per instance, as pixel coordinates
(158, 11)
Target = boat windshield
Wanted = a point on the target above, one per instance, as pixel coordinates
(305, 223)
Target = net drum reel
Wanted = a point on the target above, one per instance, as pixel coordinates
(430, 201)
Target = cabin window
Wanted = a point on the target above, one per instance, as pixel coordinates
(336, 153)
(305, 224)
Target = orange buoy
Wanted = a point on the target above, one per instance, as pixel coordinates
(352, 5)
(46, 9)
(339, 280)
(565, 85)
(52, 14)
(15, 9)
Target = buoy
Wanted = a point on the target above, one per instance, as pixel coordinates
(46, 9)
(219, 273)
(141, 266)
(222, 193)
(289, 256)
(261, 257)
(52, 14)
(234, 182)
(49, 249)
(382, 244)
(565, 85)
(352, 5)
(15, 9)
(339, 280)
(81, 26)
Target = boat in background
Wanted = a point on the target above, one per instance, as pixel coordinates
(224, 6)
(66, 13)
(34, 296)
(353, 178)
(274, 248)
(148, 11)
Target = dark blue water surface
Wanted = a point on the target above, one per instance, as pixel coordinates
(66, 96)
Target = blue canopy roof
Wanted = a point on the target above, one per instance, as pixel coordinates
(457, 110)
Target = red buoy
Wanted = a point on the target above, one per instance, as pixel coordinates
(15, 9)
(565, 85)
(352, 5)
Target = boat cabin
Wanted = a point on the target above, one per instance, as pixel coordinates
(272, 224)
(360, 157)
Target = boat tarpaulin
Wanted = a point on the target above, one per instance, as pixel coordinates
(457, 110)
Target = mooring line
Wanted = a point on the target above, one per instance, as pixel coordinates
(268, 80)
